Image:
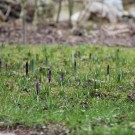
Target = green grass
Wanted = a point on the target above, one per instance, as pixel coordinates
(87, 101)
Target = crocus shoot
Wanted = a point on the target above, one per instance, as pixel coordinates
(108, 73)
(49, 76)
(6, 66)
(0, 64)
(27, 68)
(37, 90)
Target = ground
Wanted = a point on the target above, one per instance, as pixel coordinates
(122, 34)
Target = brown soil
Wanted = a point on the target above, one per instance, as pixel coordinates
(11, 33)
(51, 129)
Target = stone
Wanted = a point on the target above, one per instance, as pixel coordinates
(104, 11)
(112, 10)
(80, 15)
(117, 4)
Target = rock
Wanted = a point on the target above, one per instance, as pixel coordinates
(81, 15)
(112, 10)
(117, 4)
(104, 11)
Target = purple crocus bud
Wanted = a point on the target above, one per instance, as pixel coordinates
(79, 54)
(108, 69)
(0, 64)
(8, 54)
(6, 66)
(49, 76)
(37, 88)
(62, 76)
(75, 65)
(90, 56)
(27, 68)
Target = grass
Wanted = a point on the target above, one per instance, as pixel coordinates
(92, 88)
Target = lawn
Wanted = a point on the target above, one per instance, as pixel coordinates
(84, 90)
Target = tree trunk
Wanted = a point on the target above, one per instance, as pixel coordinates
(70, 7)
(59, 11)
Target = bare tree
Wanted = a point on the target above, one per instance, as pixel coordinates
(70, 7)
(23, 16)
(59, 11)
(36, 13)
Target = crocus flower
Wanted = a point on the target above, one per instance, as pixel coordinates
(6, 66)
(0, 64)
(27, 66)
(79, 54)
(62, 76)
(37, 88)
(75, 65)
(49, 76)
(108, 69)
(8, 54)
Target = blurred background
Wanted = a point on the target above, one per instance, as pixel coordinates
(70, 22)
